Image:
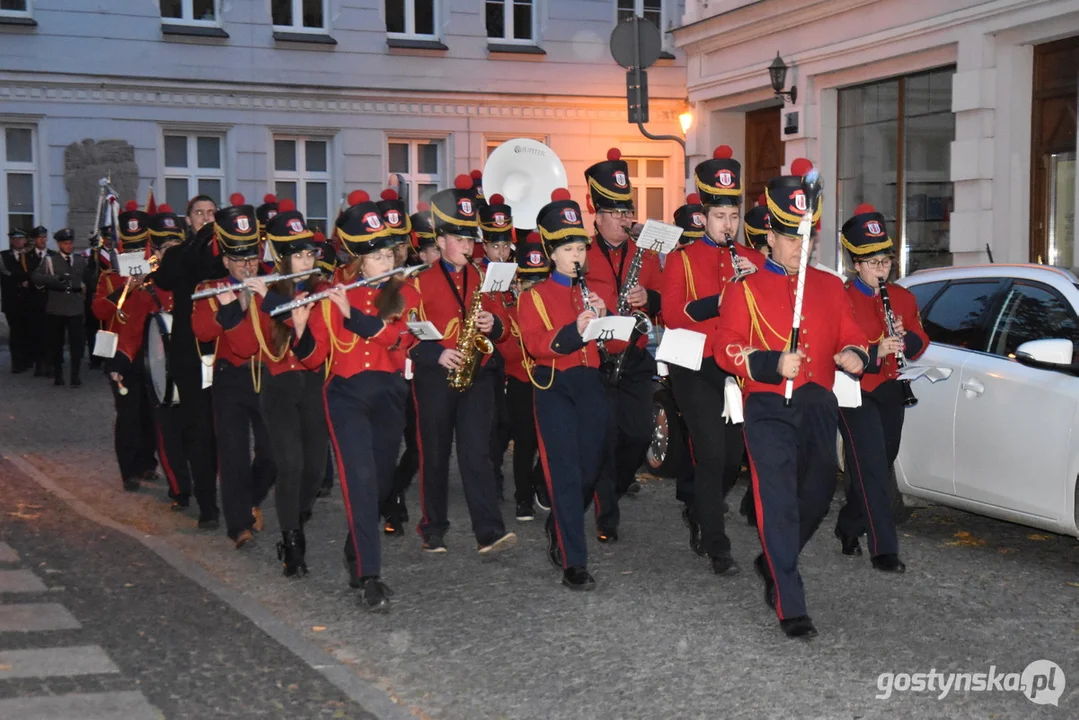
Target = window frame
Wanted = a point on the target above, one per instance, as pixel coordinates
(27, 13)
(992, 310)
(640, 184)
(410, 21)
(297, 17)
(667, 42)
(414, 178)
(188, 19)
(20, 168)
(193, 173)
(301, 176)
(506, 38)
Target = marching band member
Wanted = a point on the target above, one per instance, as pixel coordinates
(134, 436)
(99, 259)
(397, 219)
(290, 394)
(695, 280)
(871, 433)
(181, 269)
(126, 367)
(791, 448)
(756, 226)
(610, 258)
(571, 404)
(365, 395)
(396, 511)
(533, 266)
(448, 293)
(263, 214)
(220, 320)
(496, 224)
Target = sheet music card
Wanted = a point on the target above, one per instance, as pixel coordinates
(498, 277)
(425, 330)
(133, 263)
(847, 389)
(682, 347)
(659, 236)
(612, 327)
(930, 373)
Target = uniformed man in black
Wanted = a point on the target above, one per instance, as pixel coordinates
(63, 275)
(15, 299)
(35, 255)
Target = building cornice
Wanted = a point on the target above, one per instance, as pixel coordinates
(211, 95)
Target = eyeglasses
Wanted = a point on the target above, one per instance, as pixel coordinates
(620, 214)
(244, 261)
(879, 262)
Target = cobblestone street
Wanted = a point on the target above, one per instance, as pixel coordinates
(661, 637)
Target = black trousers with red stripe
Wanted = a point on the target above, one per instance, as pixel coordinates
(573, 421)
(367, 421)
(442, 414)
(170, 449)
(793, 458)
(871, 436)
(527, 469)
(134, 435)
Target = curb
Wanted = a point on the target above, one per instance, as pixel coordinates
(371, 698)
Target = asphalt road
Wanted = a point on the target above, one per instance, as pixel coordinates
(661, 637)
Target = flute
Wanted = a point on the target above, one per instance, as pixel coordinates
(271, 278)
(406, 271)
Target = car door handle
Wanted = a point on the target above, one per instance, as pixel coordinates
(973, 386)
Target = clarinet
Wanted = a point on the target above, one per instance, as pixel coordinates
(738, 274)
(604, 356)
(909, 400)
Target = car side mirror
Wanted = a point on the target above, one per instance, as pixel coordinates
(1049, 352)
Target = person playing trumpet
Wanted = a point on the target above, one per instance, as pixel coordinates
(220, 320)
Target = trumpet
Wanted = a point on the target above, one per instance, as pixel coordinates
(136, 280)
(406, 271)
(268, 279)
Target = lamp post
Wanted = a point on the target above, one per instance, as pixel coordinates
(777, 72)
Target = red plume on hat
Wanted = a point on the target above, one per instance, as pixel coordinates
(614, 154)
(358, 196)
(164, 208)
(762, 200)
(131, 206)
(389, 194)
(269, 198)
(723, 152)
(422, 207)
(463, 182)
(693, 199)
(497, 199)
(801, 166)
(237, 199)
(864, 208)
(560, 195)
(286, 205)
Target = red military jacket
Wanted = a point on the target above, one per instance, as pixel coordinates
(235, 339)
(363, 342)
(547, 319)
(694, 279)
(754, 328)
(131, 331)
(512, 351)
(262, 324)
(869, 312)
(110, 285)
(607, 269)
(442, 305)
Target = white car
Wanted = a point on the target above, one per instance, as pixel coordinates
(998, 437)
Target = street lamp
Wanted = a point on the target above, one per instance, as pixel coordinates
(777, 71)
(686, 121)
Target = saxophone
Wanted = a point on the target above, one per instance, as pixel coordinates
(472, 344)
(643, 324)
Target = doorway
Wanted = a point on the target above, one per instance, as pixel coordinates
(764, 152)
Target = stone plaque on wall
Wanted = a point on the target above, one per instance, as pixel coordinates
(85, 163)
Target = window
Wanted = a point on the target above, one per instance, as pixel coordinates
(1031, 312)
(648, 176)
(421, 166)
(15, 8)
(412, 18)
(302, 174)
(895, 152)
(188, 11)
(957, 316)
(511, 20)
(299, 15)
(649, 10)
(18, 179)
(194, 165)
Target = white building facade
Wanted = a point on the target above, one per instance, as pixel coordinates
(311, 99)
(956, 118)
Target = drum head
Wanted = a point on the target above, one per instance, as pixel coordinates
(158, 332)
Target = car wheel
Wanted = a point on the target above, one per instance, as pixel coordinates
(668, 454)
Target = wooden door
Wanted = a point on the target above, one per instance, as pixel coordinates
(764, 152)
(1053, 123)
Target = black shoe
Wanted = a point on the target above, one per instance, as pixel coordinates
(434, 544)
(769, 582)
(180, 503)
(694, 531)
(554, 552)
(543, 499)
(58, 381)
(850, 545)
(354, 580)
(577, 578)
(131, 484)
(799, 627)
(888, 562)
(525, 511)
(151, 476)
(393, 526)
(291, 551)
(634, 489)
(376, 595)
(209, 521)
(607, 536)
(724, 565)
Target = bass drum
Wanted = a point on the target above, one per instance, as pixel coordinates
(163, 391)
